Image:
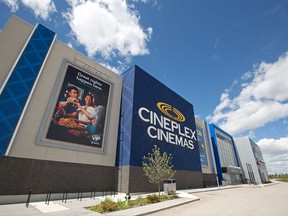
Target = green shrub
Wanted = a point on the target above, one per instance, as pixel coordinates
(107, 205)
(120, 206)
(140, 201)
(153, 198)
(173, 194)
(165, 197)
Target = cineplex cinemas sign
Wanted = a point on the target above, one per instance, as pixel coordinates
(168, 128)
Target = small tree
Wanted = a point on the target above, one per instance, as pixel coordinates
(157, 167)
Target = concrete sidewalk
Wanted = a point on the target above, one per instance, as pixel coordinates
(74, 207)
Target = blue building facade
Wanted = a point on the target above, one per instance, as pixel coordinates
(152, 114)
(226, 157)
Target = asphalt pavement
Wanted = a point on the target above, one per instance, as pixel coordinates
(242, 201)
(74, 207)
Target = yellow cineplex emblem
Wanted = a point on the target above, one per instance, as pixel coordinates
(171, 112)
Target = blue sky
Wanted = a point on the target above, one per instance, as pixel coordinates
(228, 58)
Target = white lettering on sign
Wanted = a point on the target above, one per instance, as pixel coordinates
(167, 130)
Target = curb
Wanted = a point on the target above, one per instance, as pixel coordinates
(148, 209)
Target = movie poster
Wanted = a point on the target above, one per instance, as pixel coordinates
(81, 108)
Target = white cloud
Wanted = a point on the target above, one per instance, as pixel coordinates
(12, 4)
(114, 69)
(41, 8)
(275, 153)
(251, 134)
(215, 57)
(261, 101)
(108, 28)
(217, 43)
(247, 75)
(154, 3)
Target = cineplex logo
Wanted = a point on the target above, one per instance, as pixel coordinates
(168, 128)
(167, 109)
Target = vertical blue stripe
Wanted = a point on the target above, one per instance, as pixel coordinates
(16, 92)
(216, 152)
(125, 131)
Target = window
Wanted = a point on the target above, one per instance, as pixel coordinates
(226, 151)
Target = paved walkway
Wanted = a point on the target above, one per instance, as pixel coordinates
(74, 207)
(242, 201)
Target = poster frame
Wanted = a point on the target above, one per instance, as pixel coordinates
(42, 139)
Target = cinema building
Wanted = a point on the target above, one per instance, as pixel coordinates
(227, 159)
(46, 146)
(252, 161)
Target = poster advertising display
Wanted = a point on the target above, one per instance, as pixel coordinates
(80, 111)
(201, 143)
